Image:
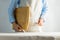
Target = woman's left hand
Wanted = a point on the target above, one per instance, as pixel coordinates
(41, 21)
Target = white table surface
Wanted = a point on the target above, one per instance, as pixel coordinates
(41, 35)
(54, 34)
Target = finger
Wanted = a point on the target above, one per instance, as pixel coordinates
(40, 24)
(16, 29)
(19, 29)
(20, 26)
(38, 21)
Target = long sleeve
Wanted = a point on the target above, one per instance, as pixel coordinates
(44, 8)
(11, 9)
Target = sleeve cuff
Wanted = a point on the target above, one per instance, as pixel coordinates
(12, 20)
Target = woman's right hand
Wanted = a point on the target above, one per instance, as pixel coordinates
(17, 28)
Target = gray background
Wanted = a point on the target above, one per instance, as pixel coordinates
(52, 23)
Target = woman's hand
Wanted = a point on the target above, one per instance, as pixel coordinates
(40, 21)
(17, 28)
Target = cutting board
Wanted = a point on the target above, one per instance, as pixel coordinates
(22, 16)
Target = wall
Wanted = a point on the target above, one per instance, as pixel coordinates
(5, 26)
(52, 23)
(53, 16)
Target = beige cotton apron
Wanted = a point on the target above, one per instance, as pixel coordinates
(24, 18)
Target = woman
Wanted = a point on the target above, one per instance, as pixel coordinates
(38, 8)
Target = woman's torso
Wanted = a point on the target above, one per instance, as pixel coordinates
(35, 6)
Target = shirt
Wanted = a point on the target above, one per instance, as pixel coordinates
(38, 8)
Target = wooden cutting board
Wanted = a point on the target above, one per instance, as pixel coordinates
(22, 15)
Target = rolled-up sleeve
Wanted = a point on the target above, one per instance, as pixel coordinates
(44, 8)
(11, 9)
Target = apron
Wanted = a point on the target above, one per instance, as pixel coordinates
(34, 7)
